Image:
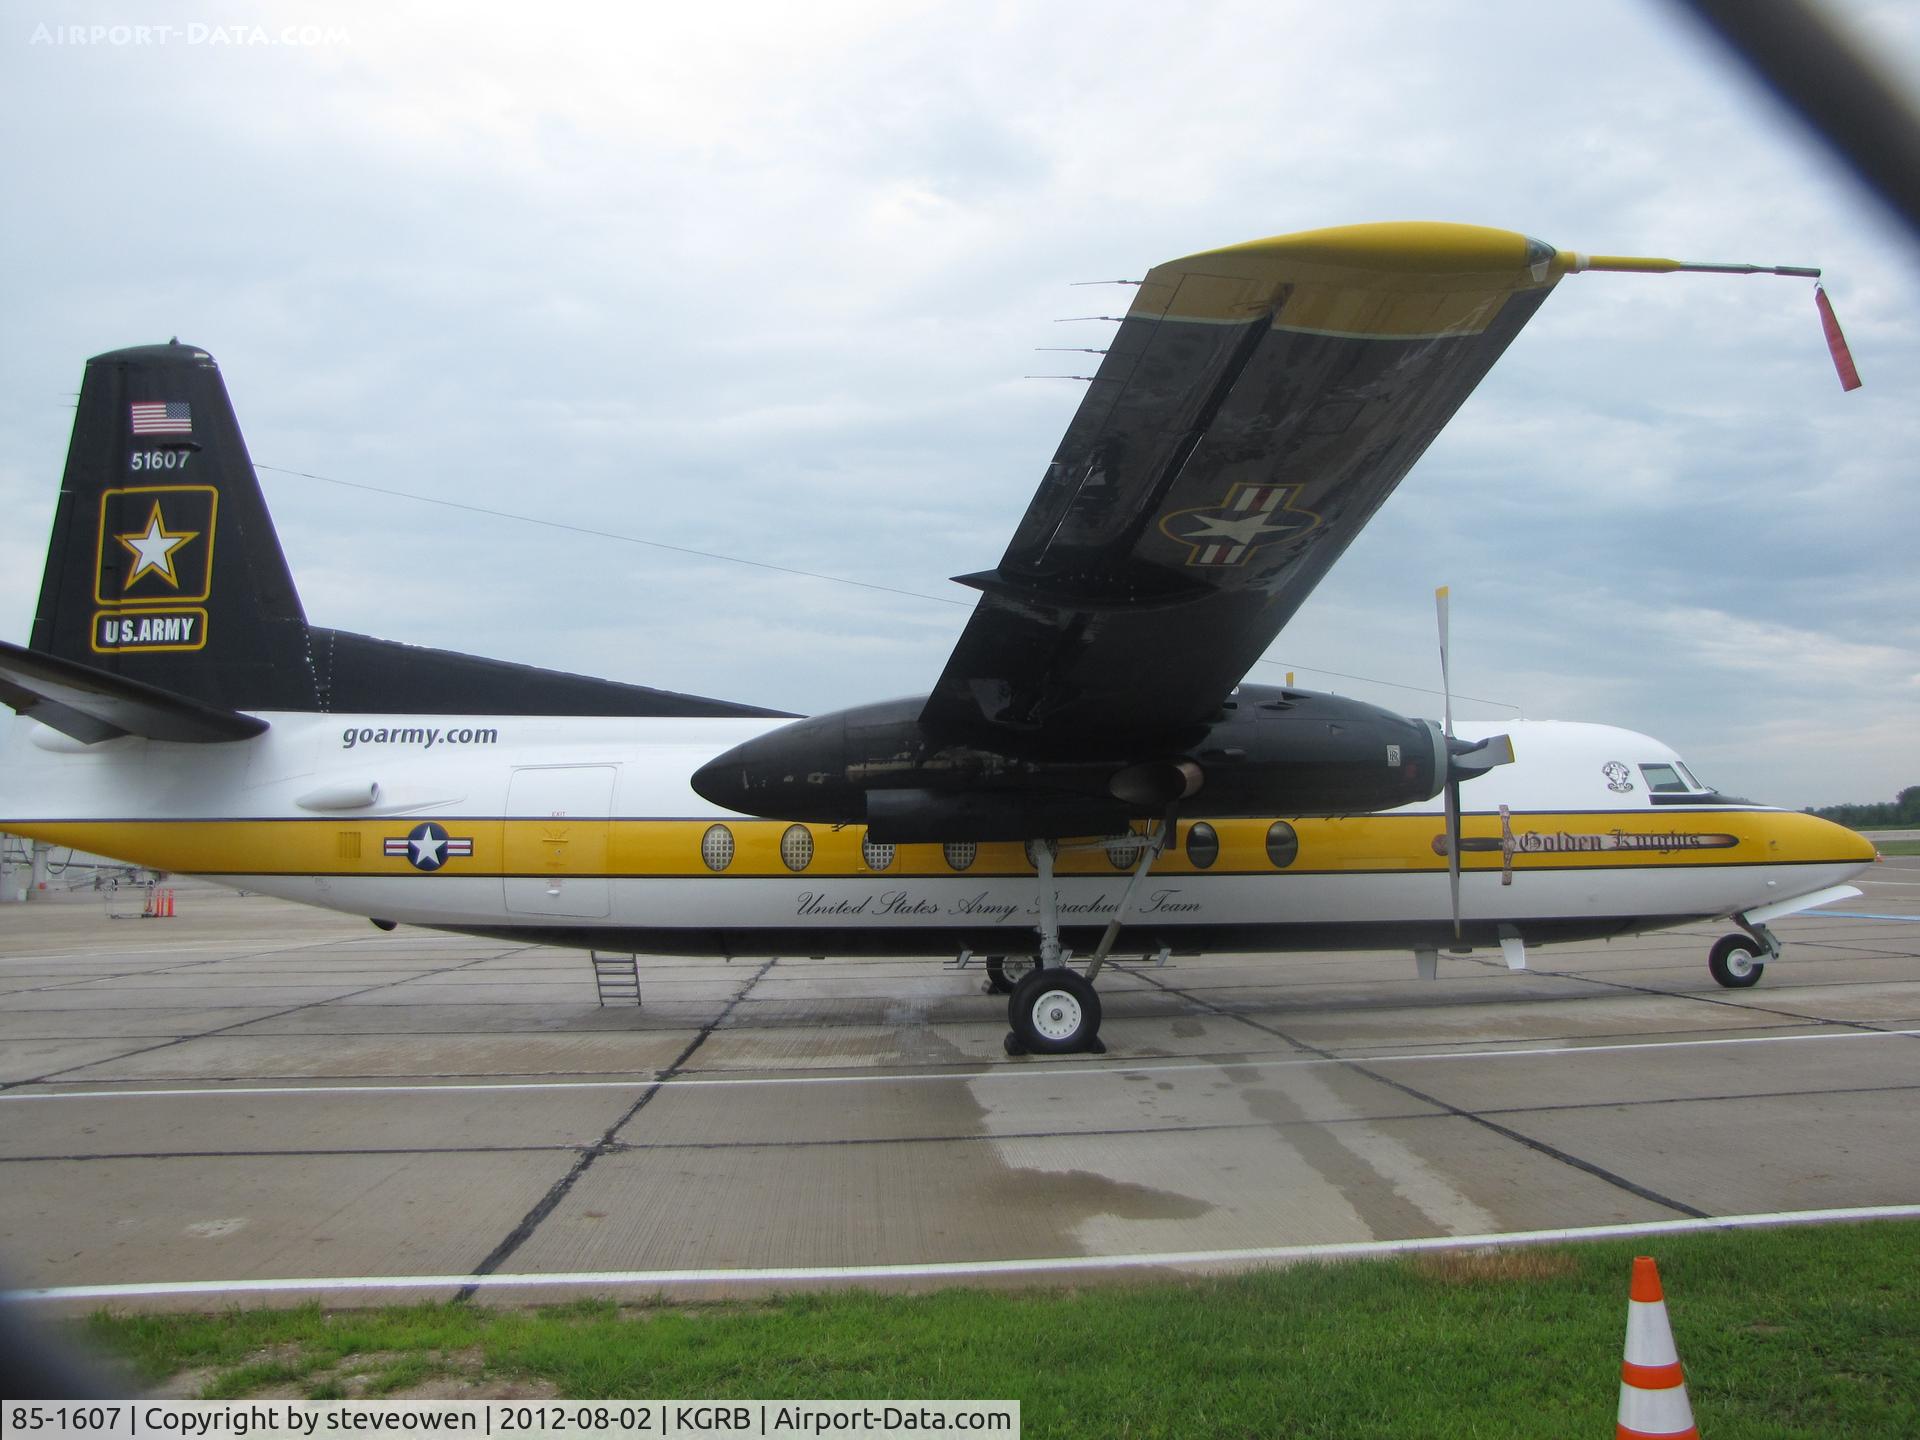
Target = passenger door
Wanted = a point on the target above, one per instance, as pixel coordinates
(556, 840)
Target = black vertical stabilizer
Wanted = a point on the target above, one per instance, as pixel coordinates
(164, 567)
(164, 571)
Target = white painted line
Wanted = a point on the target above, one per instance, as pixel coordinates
(960, 1269)
(1065, 1071)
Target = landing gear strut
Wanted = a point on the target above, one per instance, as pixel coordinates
(1054, 1010)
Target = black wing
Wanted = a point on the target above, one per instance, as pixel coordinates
(1257, 405)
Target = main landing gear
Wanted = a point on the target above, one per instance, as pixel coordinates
(1054, 1009)
(1006, 971)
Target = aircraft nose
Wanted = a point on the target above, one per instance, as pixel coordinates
(1807, 839)
(1850, 844)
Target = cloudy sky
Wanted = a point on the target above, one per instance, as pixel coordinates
(764, 279)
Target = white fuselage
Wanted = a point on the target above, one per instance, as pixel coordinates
(586, 831)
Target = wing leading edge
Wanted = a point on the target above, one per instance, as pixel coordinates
(1256, 407)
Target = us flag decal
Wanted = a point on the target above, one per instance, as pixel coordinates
(162, 417)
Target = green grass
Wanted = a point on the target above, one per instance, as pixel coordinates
(1896, 847)
(1804, 1332)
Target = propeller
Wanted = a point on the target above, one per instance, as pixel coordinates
(1464, 761)
(1453, 782)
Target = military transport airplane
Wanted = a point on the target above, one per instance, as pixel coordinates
(1088, 766)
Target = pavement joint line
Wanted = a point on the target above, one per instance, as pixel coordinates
(170, 968)
(83, 1157)
(646, 1147)
(1749, 1006)
(1540, 1147)
(559, 1190)
(964, 1269)
(999, 1071)
(485, 1035)
(218, 1029)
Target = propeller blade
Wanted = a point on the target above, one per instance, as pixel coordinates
(1453, 782)
(1476, 759)
(1453, 850)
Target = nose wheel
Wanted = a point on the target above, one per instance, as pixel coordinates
(1736, 961)
(1053, 1011)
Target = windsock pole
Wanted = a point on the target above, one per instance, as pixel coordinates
(1654, 265)
(1577, 263)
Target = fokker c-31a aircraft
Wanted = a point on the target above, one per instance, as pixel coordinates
(1088, 770)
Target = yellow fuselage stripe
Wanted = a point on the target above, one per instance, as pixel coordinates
(660, 848)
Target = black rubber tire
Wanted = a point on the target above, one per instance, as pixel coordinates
(1054, 1011)
(1002, 976)
(1736, 961)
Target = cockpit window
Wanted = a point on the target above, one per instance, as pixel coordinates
(1665, 780)
(1687, 775)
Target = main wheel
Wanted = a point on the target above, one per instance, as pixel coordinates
(1005, 971)
(1054, 1011)
(1735, 961)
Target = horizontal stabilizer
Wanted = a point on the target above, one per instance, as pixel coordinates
(92, 705)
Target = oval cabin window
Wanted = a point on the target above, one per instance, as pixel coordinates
(716, 848)
(1203, 846)
(1283, 845)
(796, 848)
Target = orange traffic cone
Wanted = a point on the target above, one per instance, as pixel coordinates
(1653, 1393)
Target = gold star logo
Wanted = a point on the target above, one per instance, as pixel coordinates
(153, 549)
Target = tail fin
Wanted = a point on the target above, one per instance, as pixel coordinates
(167, 606)
(164, 567)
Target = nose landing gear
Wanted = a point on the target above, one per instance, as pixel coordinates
(1736, 961)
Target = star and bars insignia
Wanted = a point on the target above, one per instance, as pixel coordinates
(427, 846)
(1228, 533)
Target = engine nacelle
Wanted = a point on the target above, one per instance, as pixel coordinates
(1268, 752)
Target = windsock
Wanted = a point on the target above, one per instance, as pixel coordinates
(1836, 342)
(1653, 1393)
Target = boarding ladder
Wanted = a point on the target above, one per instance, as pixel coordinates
(617, 978)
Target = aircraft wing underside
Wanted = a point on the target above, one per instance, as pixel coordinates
(1255, 408)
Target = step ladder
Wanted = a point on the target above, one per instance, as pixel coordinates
(617, 978)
